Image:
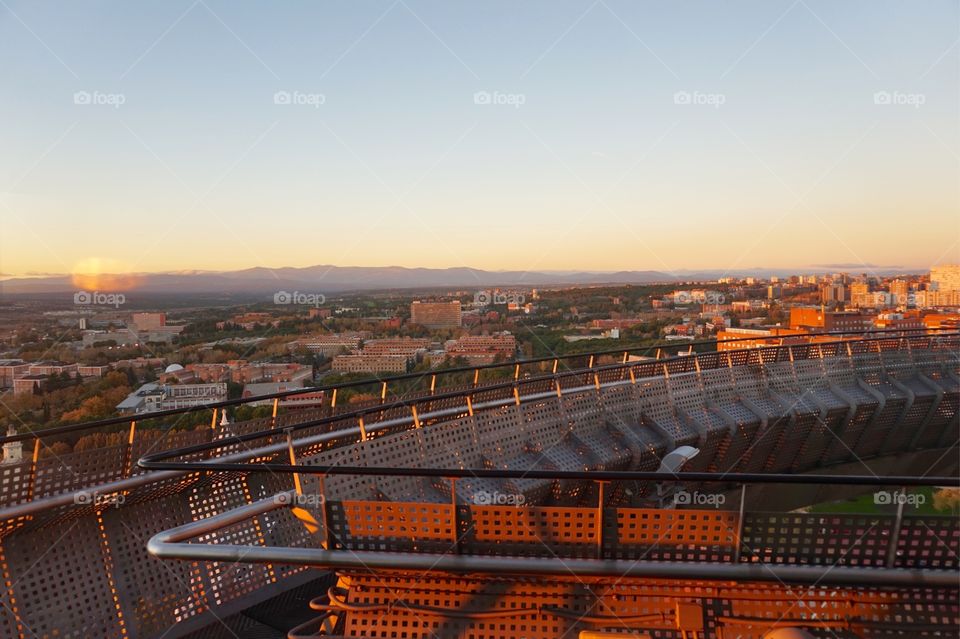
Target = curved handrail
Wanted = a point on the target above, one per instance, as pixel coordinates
(114, 421)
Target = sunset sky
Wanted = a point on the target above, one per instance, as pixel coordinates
(618, 135)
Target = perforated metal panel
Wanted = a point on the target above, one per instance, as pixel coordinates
(68, 594)
(670, 535)
(929, 542)
(152, 592)
(844, 540)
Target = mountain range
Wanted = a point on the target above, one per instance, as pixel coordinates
(328, 279)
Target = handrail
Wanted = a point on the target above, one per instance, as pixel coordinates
(113, 421)
(159, 460)
(170, 544)
(592, 475)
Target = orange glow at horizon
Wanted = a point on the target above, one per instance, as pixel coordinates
(99, 274)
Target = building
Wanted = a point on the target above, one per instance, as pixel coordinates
(817, 320)
(123, 337)
(436, 314)
(406, 346)
(831, 293)
(93, 371)
(942, 320)
(29, 384)
(53, 368)
(140, 363)
(945, 278)
(483, 349)
(11, 369)
(360, 363)
(148, 321)
(249, 321)
(746, 337)
(307, 399)
(327, 345)
(155, 397)
(901, 321)
(860, 295)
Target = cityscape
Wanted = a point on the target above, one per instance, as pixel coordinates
(400, 319)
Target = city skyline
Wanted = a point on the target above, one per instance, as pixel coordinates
(598, 137)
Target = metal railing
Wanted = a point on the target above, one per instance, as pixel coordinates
(127, 593)
(736, 544)
(419, 411)
(435, 376)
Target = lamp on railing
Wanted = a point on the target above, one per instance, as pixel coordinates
(671, 464)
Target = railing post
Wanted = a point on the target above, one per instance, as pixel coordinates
(895, 533)
(293, 462)
(455, 515)
(476, 377)
(383, 393)
(31, 491)
(739, 540)
(213, 420)
(128, 458)
(276, 405)
(600, 519)
(416, 417)
(322, 488)
(333, 399)
(363, 429)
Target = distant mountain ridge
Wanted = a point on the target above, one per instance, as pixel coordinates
(336, 279)
(326, 279)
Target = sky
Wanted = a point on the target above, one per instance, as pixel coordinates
(542, 135)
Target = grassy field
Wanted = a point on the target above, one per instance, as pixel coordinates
(922, 503)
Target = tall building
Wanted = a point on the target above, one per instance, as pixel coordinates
(945, 278)
(832, 293)
(436, 314)
(900, 292)
(149, 321)
(860, 295)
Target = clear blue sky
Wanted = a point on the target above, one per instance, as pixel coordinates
(602, 166)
